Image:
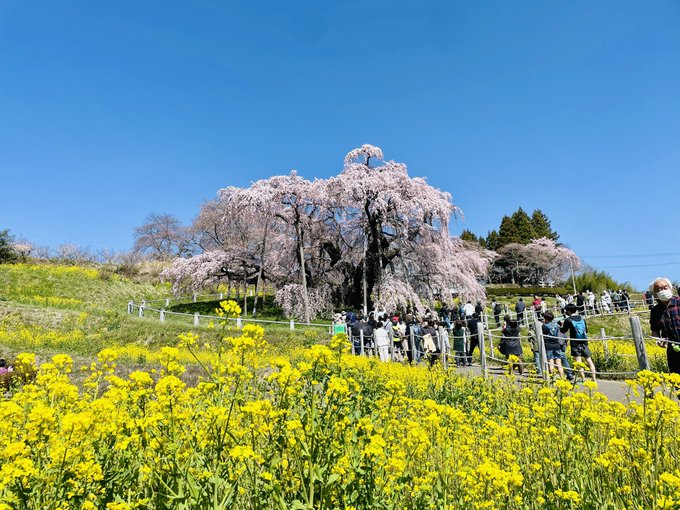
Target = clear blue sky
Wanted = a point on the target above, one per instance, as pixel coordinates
(112, 110)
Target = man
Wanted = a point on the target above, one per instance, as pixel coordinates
(469, 309)
(578, 337)
(519, 309)
(580, 301)
(497, 309)
(664, 321)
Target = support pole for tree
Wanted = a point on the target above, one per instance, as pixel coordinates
(303, 270)
(364, 277)
(482, 352)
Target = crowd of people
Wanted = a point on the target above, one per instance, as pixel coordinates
(412, 338)
(455, 330)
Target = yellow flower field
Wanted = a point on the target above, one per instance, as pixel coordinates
(323, 429)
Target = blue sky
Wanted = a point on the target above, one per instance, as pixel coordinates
(112, 110)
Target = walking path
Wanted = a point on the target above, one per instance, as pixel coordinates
(614, 390)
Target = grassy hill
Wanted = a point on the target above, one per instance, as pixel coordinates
(51, 309)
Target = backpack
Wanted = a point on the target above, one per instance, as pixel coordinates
(579, 327)
(554, 329)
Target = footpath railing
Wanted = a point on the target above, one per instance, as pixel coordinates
(151, 308)
(412, 347)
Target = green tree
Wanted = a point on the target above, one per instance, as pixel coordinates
(468, 235)
(541, 226)
(525, 230)
(492, 240)
(507, 232)
(7, 252)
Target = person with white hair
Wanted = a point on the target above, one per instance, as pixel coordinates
(664, 321)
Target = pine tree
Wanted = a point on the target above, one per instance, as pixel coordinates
(468, 235)
(508, 232)
(541, 225)
(492, 241)
(525, 230)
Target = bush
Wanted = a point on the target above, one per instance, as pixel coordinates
(524, 291)
(7, 253)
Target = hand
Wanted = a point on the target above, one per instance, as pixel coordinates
(662, 343)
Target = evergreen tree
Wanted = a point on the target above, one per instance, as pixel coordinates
(525, 230)
(541, 226)
(492, 241)
(507, 232)
(7, 253)
(468, 235)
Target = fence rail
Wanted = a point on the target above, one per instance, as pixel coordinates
(143, 308)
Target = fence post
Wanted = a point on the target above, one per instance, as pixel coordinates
(221, 296)
(604, 344)
(361, 339)
(162, 315)
(194, 297)
(491, 344)
(292, 324)
(131, 306)
(482, 352)
(542, 355)
(239, 323)
(639, 340)
(196, 319)
(442, 348)
(412, 341)
(144, 303)
(167, 301)
(141, 311)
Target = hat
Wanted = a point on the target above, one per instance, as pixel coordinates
(395, 318)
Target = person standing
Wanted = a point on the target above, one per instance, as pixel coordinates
(382, 342)
(520, 306)
(469, 309)
(459, 343)
(496, 308)
(510, 343)
(551, 340)
(578, 337)
(580, 301)
(473, 326)
(664, 321)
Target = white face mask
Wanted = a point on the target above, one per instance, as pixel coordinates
(664, 295)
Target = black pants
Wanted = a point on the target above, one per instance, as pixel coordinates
(673, 360)
(474, 342)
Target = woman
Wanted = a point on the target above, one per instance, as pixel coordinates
(664, 321)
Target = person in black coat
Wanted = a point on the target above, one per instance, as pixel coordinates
(510, 342)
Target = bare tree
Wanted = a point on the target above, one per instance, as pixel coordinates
(162, 237)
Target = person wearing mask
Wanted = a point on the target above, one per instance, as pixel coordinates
(664, 321)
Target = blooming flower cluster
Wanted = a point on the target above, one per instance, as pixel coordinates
(322, 429)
